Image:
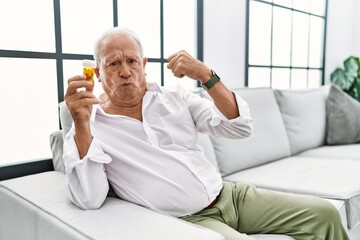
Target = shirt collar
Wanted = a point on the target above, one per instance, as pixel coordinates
(154, 87)
(150, 87)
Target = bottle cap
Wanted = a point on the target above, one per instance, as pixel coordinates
(89, 63)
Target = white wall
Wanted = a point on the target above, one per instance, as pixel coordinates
(224, 39)
(356, 28)
(225, 35)
(343, 33)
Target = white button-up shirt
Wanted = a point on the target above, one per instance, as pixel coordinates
(156, 163)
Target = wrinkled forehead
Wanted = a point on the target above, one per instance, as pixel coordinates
(123, 43)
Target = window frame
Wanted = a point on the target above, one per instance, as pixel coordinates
(59, 56)
(290, 67)
(35, 166)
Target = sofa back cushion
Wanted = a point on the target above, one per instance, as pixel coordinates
(56, 146)
(65, 118)
(304, 115)
(267, 143)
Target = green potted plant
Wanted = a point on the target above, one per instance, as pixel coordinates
(348, 78)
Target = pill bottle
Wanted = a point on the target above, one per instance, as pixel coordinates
(89, 71)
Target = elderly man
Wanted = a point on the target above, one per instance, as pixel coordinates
(142, 140)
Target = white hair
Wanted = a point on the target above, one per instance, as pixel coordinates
(113, 32)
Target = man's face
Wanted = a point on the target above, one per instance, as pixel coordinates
(122, 70)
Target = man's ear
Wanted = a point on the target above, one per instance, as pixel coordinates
(97, 72)
(144, 61)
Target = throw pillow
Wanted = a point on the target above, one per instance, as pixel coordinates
(343, 116)
(56, 145)
(304, 115)
(65, 118)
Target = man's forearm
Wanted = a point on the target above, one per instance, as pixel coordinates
(83, 139)
(224, 100)
(86, 179)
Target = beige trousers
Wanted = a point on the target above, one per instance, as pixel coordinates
(243, 209)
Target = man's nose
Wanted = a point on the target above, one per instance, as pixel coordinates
(125, 71)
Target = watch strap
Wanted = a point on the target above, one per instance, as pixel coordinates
(212, 81)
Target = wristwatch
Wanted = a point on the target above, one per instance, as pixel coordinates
(209, 84)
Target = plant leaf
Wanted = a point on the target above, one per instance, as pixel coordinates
(352, 67)
(339, 78)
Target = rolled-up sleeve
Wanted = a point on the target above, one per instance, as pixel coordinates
(86, 181)
(209, 119)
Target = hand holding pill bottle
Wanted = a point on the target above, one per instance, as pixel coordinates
(89, 71)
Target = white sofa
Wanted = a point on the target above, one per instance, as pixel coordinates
(287, 152)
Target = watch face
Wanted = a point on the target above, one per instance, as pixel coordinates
(215, 75)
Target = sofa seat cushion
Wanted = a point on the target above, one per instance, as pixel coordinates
(339, 151)
(35, 206)
(269, 135)
(328, 178)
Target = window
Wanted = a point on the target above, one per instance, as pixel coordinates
(29, 108)
(28, 82)
(21, 29)
(286, 43)
(40, 49)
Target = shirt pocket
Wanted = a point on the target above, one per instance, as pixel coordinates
(181, 128)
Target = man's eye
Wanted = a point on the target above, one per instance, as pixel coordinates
(132, 61)
(115, 63)
(112, 66)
